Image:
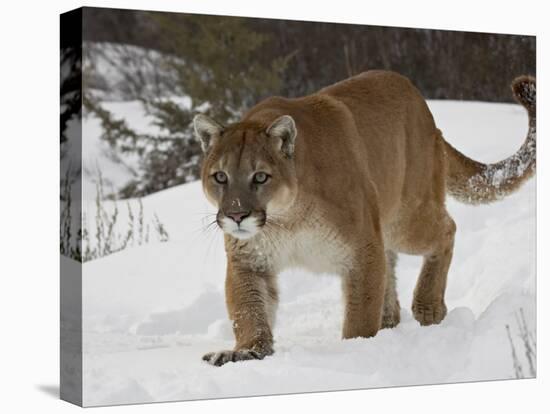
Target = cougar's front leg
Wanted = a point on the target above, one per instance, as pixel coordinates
(364, 285)
(251, 298)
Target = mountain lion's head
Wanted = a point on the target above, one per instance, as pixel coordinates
(248, 172)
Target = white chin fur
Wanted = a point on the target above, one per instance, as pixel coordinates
(248, 228)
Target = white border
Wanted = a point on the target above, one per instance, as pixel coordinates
(29, 161)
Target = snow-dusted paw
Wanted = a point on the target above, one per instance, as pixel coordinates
(429, 314)
(222, 357)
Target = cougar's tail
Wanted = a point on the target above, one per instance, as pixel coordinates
(473, 182)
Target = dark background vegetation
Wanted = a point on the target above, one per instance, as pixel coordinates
(442, 64)
(230, 63)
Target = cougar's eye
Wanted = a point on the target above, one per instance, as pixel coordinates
(260, 178)
(220, 177)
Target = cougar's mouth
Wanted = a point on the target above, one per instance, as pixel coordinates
(244, 229)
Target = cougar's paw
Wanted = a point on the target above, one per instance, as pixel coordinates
(222, 357)
(391, 317)
(429, 313)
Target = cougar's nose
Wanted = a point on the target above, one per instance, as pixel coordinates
(238, 216)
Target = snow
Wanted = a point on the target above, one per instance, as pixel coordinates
(152, 311)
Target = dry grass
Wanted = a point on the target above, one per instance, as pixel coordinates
(524, 356)
(112, 229)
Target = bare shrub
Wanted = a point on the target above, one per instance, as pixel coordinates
(109, 234)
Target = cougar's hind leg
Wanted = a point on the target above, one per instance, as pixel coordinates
(429, 294)
(391, 312)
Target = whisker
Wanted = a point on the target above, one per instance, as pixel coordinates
(203, 227)
(278, 215)
(211, 234)
(275, 223)
(268, 236)
(272, 231)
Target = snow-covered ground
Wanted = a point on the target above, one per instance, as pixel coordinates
(151, 312)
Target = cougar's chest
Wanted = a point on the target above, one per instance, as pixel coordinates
(316, 248)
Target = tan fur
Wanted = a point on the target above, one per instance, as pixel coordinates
(359, 172)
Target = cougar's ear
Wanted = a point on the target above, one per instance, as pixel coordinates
(206, 130)
(284, 128)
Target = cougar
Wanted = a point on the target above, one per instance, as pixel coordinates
(341, 181)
